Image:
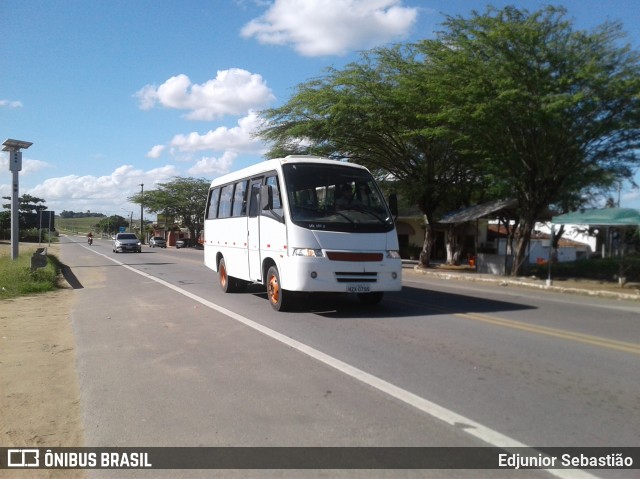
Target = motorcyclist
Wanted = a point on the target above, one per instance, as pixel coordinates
(90, 238)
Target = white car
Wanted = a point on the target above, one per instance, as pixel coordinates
(126, 242)
(182, 243)
(158, 241)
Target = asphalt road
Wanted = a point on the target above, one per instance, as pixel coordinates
(166, 359)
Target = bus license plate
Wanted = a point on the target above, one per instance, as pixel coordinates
(358, 288)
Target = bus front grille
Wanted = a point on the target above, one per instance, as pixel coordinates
(354, 256)
(348, 277)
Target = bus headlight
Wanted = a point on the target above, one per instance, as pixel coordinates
(312, 253)
(393, 254)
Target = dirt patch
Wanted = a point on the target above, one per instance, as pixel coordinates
(39, 392)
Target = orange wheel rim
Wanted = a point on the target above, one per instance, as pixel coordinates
(274, 289)
(223, 276)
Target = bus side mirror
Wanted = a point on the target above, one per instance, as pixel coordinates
(393, 204)
(266, 197)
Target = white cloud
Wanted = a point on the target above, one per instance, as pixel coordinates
(5, 190)
(631, 199)
(10, 104)
(211, 166)
(232, 92)
(107, 194)
(33, 166)
(331, 27)
(239, 138)
(28, 166)
(156, 151)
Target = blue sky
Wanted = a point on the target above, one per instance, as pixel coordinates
(118, 93)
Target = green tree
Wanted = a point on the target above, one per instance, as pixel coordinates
(183, 198)
(5, 224)
(111, 224)
(28, 208)
(377, 112)
(552, 112)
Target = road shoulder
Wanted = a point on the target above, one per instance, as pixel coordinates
(40, 399)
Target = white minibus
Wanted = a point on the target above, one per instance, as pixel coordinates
(302, 224)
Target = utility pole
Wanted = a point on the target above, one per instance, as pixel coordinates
(141, 211)
(130, 219)
(15, 165)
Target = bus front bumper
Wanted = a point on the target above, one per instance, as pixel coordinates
(303, 274)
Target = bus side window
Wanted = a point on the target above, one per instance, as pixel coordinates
(240, 199)
(273, 182)
(224, 208)
(254, 197)
(214, 197)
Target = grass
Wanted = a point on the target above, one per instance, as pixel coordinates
(17, 279)
(77, 225)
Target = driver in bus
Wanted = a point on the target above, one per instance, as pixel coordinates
(343, 197)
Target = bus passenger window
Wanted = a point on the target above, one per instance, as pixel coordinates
(254, 201)
(224, 208)
(214, 196)
(273, 182)
(240, 199)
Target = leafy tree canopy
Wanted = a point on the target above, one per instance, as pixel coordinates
(366, 113)
(75, 214)
(506, 103)
(183, 198)
(552, 112)
(27, 203)
(28, 208)
(111, 224)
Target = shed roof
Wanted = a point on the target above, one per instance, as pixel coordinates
(472, 213)
(600, 217)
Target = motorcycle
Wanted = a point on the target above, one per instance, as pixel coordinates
(90, 240)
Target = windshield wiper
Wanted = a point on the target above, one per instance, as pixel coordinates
(345, 216)
(362, 209)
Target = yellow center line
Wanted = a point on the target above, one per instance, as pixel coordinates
(556, 333)
(538, 329)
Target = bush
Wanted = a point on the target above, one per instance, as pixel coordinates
(601, 269)
(17, 279)
(30, 235)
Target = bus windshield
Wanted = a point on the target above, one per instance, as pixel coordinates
(335, 198)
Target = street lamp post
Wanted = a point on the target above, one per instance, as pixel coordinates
(15, 165)
(130, 218)
(141, 211)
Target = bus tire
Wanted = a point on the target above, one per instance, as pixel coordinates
(370, 299)
(228, 283)
(278, 298)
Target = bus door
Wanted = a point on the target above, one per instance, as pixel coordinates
(253, 231)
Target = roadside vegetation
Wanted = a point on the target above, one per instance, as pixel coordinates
(597, 269)
(76, 225)
(17, 278)
(505, 104)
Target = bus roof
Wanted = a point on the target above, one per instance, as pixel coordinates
(270, 165)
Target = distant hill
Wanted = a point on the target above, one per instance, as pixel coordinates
(77, 225)
(81, 214)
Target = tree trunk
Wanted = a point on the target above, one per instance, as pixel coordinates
(454, 238)
(523, 238)
(555, 242)
(425, 254)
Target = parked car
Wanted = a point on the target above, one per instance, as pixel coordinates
(158, 241)
(183, 243)
(127, 242)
